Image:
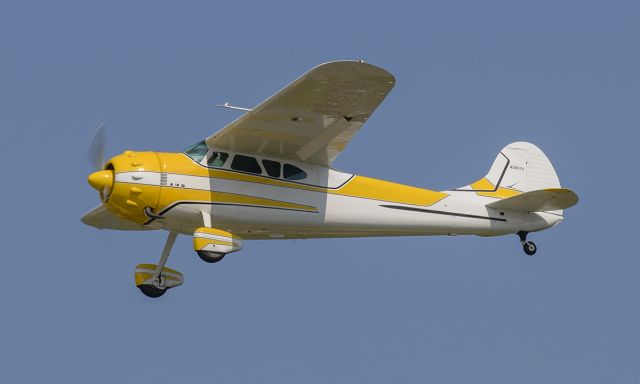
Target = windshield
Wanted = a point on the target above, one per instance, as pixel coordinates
(197, 151)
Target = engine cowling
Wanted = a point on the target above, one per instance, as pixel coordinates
(128, 184)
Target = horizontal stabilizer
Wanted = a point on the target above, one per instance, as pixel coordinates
(551, 199)
(100, 218)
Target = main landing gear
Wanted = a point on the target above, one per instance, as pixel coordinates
(210, 257)
(209, 243)
(529, 247)
(154, 280)
(212, 244)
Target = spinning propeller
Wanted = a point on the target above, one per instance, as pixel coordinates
(95, 150)
(101, 179)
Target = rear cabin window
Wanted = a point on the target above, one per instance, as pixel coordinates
(291, 172)
(197, 151)
(217, 159)
(272, 167)
(246, 164)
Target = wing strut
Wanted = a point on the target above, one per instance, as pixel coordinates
(323, 138)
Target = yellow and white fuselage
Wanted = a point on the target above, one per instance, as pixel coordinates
(181, 194)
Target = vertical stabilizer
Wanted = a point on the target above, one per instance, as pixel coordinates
(519, 167)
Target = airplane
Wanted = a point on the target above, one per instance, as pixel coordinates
(268, 175)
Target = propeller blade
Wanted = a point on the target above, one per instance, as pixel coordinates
(96, 148)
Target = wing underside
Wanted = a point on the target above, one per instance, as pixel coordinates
(312, 119)
(99, 217)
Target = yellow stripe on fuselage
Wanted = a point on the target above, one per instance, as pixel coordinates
(357, 186)
(368, 188)
(169, 196)
(483, 185)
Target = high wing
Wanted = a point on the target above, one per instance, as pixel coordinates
(312, 119)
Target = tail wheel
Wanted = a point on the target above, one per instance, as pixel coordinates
(151, 290)
(210, 257)
(530, 248)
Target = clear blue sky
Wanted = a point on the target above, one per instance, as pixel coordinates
(471, 77)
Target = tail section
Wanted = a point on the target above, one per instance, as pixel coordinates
(520, 169)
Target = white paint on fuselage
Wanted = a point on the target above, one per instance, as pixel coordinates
(338, 215)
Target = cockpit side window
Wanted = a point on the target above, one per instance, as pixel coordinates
(291, 172)
(217, 159)
(246, 164)
(197, 151)
(272, 167)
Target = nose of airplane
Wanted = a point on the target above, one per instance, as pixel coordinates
(101, 180)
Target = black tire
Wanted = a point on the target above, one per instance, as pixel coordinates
(151, 291)
(210, 257)
(530, 248)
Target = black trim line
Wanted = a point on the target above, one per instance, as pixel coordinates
(402, 208)
(164, 211)
(504, 171)
(151, 215)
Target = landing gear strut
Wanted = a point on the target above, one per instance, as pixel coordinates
(154, 280)
(529, 247)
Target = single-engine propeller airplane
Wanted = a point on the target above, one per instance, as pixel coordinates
(268, 175)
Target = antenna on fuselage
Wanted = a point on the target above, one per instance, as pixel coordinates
(229, 106)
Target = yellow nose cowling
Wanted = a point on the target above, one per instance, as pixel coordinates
(101, 180)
